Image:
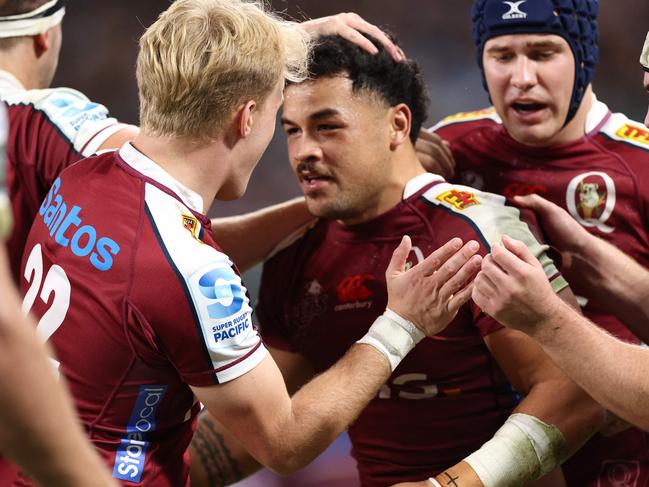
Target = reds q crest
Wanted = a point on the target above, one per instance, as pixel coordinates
(590, 199)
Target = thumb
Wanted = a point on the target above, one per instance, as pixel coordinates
(519, 249)
(399, 257)
(536, 203)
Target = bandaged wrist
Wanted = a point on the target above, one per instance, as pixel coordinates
(434, 482)
(393, 336)
(523, 449)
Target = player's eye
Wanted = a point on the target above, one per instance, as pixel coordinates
(291, 130)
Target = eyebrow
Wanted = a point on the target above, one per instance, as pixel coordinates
(528, 45)
(325, 113)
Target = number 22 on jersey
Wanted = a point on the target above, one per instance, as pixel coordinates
(55, 282)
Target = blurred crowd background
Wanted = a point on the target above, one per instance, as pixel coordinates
(100, 48)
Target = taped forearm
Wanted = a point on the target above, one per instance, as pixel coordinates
(393, 336)
(523, 449)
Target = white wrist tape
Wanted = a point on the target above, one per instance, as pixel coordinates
(393, 336)
(434, 482)
(523, 449)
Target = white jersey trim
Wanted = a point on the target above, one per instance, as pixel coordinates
(84, 123)
(218, 297)
(491, 217)
(150, 169)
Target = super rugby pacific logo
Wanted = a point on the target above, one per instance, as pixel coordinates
(514, 11)
(590, 199)
(222, 304)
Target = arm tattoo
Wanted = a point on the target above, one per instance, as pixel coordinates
(220, 468)
(451, 479)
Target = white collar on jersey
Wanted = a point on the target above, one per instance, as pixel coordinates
(418, 182)
(150, 169)
(596, 115)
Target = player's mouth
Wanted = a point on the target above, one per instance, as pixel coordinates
(312, 181)
(528, 111)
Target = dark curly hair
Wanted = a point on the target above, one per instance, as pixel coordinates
(394, 82)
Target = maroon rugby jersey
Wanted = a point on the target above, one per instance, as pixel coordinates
(321, 294)
(138, 303)
(602, 180)
(48, 130)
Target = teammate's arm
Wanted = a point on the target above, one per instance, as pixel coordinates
(617, 378)
(249, 239)
(216, 457)
(595, 267)
(119, 138)
(287, 433)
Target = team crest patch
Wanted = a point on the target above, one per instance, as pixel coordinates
(459, 199)
(590, 199)
(191, 224)
(633, 134)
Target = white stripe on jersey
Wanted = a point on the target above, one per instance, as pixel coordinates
(218, 296)
(489, 215)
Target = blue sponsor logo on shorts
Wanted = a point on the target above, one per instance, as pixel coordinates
(131, 452)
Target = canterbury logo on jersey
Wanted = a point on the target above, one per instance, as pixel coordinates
(459, 199)
(352, 288)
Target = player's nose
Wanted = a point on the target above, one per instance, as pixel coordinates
(523, 73)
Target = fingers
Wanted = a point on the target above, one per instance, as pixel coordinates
(461, 279)
(513, 257)
(399, 257)
(452, 264)
(359, 24)
(435, 260)
(484, 290)
(537, 203)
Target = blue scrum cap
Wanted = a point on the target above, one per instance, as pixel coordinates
(574, 20)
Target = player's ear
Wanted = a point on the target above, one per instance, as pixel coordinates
(41, 43)
(400, 123)
(245, 117)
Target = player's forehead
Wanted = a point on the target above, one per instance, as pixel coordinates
(322, 96)
(525, 41)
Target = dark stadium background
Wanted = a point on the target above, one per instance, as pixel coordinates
(100, 47)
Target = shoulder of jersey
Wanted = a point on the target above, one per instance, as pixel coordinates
(622, 129)
(179, 231)
(65, 107)
(486, 114)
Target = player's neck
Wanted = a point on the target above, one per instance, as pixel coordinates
(190, 162)
(21, 63)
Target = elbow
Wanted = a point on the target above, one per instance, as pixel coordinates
(283, 462)
(286, 465)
